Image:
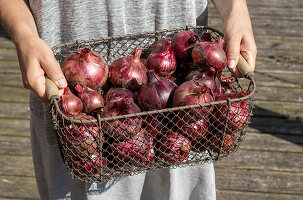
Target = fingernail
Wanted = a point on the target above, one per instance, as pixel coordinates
(232, 64)
(62, 83)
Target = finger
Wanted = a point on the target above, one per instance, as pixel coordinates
(39, 88)
(250, 57)
(53, 71)
(233, 50)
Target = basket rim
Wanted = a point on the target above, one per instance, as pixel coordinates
(79, 42)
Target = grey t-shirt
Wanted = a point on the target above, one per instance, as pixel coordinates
(60, 21)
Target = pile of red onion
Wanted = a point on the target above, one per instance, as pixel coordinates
(179, 71)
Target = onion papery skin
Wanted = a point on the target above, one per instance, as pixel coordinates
(70, 104)
(123, 128)
(156, 93)
(85, 67)
(184, 42)
(91, 99)
(136, 151)
(163, 60)
(114, 93)
(128, 72)
(173, 148)
(190, 93)
(209, 54)
(82, 140)
(208, 77)
(239, 113)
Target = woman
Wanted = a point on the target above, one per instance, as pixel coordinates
(35, 26)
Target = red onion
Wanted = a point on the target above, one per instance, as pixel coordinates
(128, 72)
(206, 37)
(190, 93)
(210, 54)
(137, 151)
(219, 143)
(123, 128)
(156, 93)
(91, 99)
(160, 42)
(85, 67)
(82, 140)
(174, 148)
(162, 59)
(197, 129)
(208, 77)
(91, 166)
(154, 125)
(238, 115)
(70, 104)
(184, 42)
(114, 93)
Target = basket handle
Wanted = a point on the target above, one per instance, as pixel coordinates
(244, 67)
(51, 88)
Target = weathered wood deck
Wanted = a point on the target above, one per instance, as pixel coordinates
(268, 166)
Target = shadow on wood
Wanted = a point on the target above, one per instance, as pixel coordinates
(279, 125)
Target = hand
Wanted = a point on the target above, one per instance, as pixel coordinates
(239, 38)
(36, 60)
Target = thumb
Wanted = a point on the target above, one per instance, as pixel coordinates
(54, 72)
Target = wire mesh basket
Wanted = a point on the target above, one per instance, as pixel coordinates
(99, 149)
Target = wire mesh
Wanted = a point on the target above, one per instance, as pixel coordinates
(99, 149)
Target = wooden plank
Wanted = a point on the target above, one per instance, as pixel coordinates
(273, 142)
(275, 3)
(263, 160)
(282, 80)
(6, 43)
(16, 166)
(9, 67)
(15, 127)
(10, 55)
(15, 146)
(276, 126)
(273, 94)
(275, 64)
(14, 94)
(282, 55)
(18, 187)
(11, 80)
(4, 198)
(279, 109)
(270, 3)
(268, 43)
(14, 110)
(247, 195)
(259, 181)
